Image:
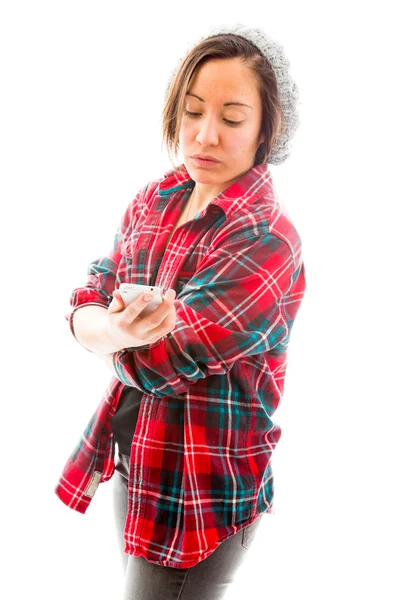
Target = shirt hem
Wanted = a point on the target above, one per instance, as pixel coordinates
(133, 550)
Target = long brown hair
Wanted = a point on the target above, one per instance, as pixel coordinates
(224, 46)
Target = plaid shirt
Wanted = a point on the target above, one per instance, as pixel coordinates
(200, 463)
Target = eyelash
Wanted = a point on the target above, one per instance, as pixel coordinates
(232, 123)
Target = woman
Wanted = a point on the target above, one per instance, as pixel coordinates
(196, 382)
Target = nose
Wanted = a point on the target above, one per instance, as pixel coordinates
(207, 134)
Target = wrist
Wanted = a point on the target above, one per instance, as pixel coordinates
(107, 347)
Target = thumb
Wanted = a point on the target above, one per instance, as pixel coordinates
(117, 302)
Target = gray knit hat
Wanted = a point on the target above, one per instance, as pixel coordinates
(287, 88)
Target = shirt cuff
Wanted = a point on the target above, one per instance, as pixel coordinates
(70, 318)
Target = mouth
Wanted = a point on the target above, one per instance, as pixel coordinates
(204, 161)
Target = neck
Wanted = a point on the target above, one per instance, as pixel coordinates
(197, 205)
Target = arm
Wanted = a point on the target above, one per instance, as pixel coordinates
(241, 302)
(88, 327)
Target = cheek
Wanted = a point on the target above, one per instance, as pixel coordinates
(186, 134)
(239, 143)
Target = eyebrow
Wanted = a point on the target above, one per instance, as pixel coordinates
(225, 103)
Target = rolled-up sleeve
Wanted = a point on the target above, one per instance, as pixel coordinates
(242, 301)
(101, 273)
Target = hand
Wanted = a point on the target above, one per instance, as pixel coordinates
(124, 327)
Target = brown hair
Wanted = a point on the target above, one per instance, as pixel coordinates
(224, 46)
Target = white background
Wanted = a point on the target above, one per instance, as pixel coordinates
(83, 88)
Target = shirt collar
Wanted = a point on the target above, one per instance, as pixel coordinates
(255, 183)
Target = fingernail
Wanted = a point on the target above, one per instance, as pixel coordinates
(147, 297)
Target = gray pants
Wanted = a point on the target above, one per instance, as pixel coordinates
(207, 580)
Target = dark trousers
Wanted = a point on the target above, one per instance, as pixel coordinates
(207, 580)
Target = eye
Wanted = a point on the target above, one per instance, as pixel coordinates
(193, 114)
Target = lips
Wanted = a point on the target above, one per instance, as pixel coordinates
(208, 158)
(201, 162)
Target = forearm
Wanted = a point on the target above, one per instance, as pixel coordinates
(88, 327)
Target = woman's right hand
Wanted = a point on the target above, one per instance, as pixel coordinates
(124, 327)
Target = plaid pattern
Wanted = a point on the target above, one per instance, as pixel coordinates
(201, 451)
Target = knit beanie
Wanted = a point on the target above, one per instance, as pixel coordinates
(287, 88)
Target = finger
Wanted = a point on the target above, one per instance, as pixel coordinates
(117, 304)
(167, 326)
(164, 321)
(169, 322)
(159, 332)
(170, 295)
(156, 318)
(134, 308)
(118, 297)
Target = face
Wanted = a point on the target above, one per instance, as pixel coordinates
(228, 133)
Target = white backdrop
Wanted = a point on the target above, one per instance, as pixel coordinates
(82, 94)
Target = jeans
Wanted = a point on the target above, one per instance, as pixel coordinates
(207, 580)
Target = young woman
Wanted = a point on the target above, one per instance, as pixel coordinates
(196, 382)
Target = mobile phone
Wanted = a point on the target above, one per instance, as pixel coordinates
(130, 291)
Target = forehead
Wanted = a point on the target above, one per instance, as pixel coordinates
(226, 81)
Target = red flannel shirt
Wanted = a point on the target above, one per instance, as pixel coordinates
(200, 463)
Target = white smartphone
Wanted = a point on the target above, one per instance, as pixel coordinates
(130, 291)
